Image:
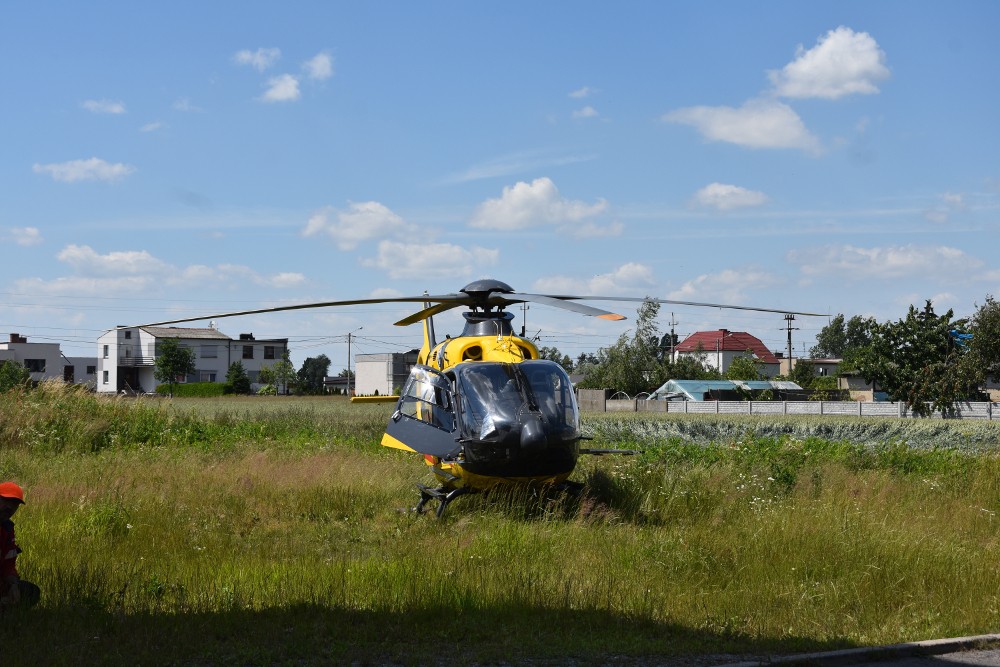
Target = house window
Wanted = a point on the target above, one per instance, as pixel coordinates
(207, 376)
(128, 335)
(105, 351)
(209, 352)
(269, 352)
(248, 351)
(35, 365)
(91, 370)
(104, 379)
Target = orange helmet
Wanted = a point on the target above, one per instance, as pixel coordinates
(11, 490)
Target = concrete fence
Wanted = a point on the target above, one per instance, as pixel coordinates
(598, 400)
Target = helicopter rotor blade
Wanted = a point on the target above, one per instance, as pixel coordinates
(566, 304)
(700, 304)
(427, 312)
(457, 299)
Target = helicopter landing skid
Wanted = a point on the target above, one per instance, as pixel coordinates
(443, 495)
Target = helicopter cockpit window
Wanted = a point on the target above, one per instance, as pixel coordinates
(427, 397)
(553, 393)
(496, 396)
(491, 399)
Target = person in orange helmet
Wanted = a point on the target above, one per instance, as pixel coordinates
(14, 591)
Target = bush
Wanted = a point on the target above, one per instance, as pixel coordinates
(193, 389)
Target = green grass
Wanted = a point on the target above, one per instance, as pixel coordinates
(267, 531)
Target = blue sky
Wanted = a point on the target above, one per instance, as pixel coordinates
(172, 159)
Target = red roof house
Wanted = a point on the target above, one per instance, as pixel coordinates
(719, 348)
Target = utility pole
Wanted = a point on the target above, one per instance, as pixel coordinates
(349, 377)
(789, 318)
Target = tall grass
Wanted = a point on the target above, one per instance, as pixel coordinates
(285, 545)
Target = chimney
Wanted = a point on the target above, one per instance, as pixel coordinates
(18, 338)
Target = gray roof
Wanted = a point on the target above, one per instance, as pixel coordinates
(185, 332)
(694, 390)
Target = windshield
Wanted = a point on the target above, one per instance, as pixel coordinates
(495, 396)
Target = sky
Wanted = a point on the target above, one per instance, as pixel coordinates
(162, 160)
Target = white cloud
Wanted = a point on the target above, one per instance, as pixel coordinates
(532, 204)
(260, 59)
(583, 92)
(152, 127)
(284, 88)
(319, 67)
(25, 236)
(843, 62)
(130, 271)
(104, 106)
(759, 123)
(93, 169)
(87, 262)
(727, 286)
(430, 260)
(361, 222)
(628, 280)
(725, 197)
(857, 264)
(586, 112)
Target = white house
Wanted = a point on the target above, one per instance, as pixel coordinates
(45, 361)
(126, 356)
(382, 374)
(718, 349)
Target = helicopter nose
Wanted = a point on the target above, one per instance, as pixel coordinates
(532, 435)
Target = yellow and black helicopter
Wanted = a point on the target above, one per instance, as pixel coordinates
(482, 408)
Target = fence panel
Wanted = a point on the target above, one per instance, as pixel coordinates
(977, 410)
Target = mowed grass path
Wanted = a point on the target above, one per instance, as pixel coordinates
(269, 532)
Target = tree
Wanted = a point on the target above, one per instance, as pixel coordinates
(984, 346)
(173, 361)
(13, 375)
(839, 339)
(803, 374)
(917, 361)
(688, 367)
(284, 373)
(743, 368)
(313, 373)
(632, 365)
(553, 354)
(237, 381)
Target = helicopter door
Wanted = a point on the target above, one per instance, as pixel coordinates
(424, 420)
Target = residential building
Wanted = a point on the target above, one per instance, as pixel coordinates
(126, 356)
(45, 361)
(383, 374)
(718, 349)
(820, 367)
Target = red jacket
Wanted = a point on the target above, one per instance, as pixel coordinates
(8, 550)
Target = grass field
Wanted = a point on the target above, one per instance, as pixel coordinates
(269, 532)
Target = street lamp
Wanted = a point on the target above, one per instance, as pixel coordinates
(349, 335)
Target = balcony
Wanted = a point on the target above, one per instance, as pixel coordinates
(136, 361)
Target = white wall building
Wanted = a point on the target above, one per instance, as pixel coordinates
(382, 373)
(45, 361)
(126, 357)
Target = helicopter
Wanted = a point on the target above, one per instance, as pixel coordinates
(482, 408)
